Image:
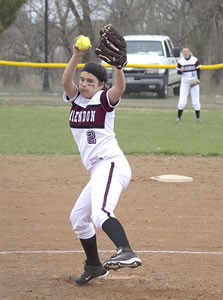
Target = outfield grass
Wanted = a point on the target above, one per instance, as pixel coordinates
(45, 130)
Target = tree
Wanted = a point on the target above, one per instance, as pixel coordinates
(198, 24)
(8, 12)
(82, 14)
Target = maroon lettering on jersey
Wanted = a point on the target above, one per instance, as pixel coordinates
(93, 116)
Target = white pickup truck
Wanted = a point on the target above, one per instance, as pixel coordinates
(156, 50)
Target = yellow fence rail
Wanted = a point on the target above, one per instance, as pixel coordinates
(62, 65)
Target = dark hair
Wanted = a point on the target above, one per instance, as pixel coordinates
(97, 70)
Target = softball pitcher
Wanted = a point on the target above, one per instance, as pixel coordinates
(189, 68)
(92, 122)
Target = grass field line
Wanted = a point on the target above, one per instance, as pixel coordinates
(185, 252)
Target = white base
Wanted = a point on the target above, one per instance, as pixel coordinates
(172, 178)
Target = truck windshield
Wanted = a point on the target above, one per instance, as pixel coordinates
(145, 47)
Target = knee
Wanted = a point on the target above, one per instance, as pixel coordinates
(74, 219)
(82, 226)
(77, 221)
(100, 218)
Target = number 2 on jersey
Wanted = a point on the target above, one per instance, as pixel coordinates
(91, 137)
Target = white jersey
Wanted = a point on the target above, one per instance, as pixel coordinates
(191, 67)
(92, 126)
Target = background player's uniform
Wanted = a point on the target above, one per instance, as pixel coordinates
(191, 71)
(92, 124)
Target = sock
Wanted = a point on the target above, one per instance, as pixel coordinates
(91, 251)
(197, 113)
(114, 230)
(179, 113)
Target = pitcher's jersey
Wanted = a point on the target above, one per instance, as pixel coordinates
(191, 67)
(92, 126)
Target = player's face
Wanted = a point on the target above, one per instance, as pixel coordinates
(89, 85)
(186, 52)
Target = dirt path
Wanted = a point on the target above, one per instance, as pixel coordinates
(37, 194)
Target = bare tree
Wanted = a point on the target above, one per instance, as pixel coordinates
(197, 23)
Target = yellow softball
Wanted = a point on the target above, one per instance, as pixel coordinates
(83, 43)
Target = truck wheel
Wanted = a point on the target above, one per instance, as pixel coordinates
(176, 91)
(163, 91)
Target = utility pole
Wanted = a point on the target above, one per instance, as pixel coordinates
(46, 85)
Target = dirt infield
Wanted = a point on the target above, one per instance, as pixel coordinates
(37, 194)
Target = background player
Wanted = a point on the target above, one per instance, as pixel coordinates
(189, 68)
(92, 122)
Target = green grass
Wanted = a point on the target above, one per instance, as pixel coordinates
(45, 130)
(156, 132)
(35, 130)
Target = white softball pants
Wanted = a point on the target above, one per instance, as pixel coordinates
(185, 90)
(100, 196)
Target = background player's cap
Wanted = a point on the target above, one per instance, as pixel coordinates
(97, 70)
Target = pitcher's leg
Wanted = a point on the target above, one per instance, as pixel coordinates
(111, 186)
(80, 215)
(82, 225)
